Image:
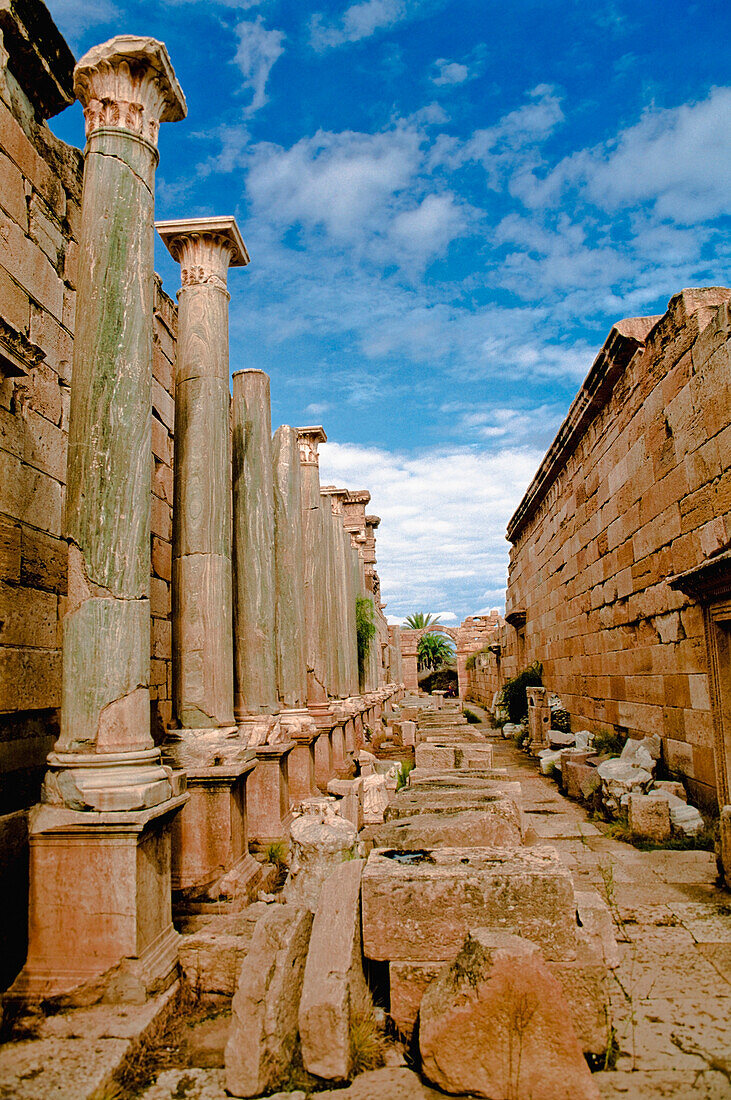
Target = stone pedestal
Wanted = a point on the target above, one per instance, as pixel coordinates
(338, 745)
(324, 769)
(539, 718)
(268, 794)
(100, 903)
(210, 835)
(301, 729)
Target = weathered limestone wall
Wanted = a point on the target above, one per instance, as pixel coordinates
(40, 195)
(635, 488)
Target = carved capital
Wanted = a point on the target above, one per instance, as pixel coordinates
(205, 248)
(308, 440)
(128, 84)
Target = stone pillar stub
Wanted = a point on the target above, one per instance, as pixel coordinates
(255, 663)
(202, 572)
(127, 87)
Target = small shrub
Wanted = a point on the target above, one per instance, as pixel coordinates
(407, 766)
(471, 717)
(513, 696)
(561, 720)
(609, 741)
(276, 853)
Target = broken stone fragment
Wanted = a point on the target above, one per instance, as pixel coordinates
(496, 1024)
(320, 842)
(264, 1034)
(333, 981)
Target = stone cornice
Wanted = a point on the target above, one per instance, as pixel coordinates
(128, 84)
(709, 581)
(624, 340)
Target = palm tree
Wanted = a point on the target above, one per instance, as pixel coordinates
(419, 620)
(434, 651)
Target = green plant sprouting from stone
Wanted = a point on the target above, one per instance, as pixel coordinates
(365, 632)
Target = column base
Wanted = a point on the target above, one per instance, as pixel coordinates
(259, 729)
(100, 921)
(268, 795)
(107, 782)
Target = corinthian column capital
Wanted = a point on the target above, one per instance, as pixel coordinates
(128, 84)
(308, 440)
(205, 248)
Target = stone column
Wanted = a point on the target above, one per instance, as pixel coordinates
(315, 558)
(203, 664)
(290, 616)
(100, 880)
(255, 696)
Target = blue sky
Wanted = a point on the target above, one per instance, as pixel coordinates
(447, 204)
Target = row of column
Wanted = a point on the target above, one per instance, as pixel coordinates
(264, 581)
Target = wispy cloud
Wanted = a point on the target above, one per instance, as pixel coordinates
(258, 50)
(444, 513)
(358, 21)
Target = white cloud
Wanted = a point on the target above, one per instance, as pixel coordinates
(678, 160)
(449, 72)
(257, 52)
(444, 511)
(358, 21)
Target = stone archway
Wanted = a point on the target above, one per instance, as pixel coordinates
(410, 649)
(470, 636)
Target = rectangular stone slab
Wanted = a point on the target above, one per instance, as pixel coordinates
(441, 757)
(423, 910)
(448, 800)
(499, 827)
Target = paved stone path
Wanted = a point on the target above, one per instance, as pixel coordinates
(671, 993)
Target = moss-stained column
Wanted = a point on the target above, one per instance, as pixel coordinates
(315, 556)
(203, 664)
(290, 571)
(255, 695)
(105, 757)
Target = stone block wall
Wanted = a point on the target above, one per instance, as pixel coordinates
(635, 489)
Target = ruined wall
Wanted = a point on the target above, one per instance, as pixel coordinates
(491, 666)
(635, 488)
(40, 195)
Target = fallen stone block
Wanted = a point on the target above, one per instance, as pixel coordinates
(333, 975)
(496, 1024)
(649, 816)
(557, 739)
(420, 905)
(448, 801)
(350, 795)
(264, 1030)
(579, 779)
(469, 829)
(212, 961)
(407, 982)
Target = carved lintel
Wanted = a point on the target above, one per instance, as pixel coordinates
(128, 84)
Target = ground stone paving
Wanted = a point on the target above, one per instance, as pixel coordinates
(671, 994)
